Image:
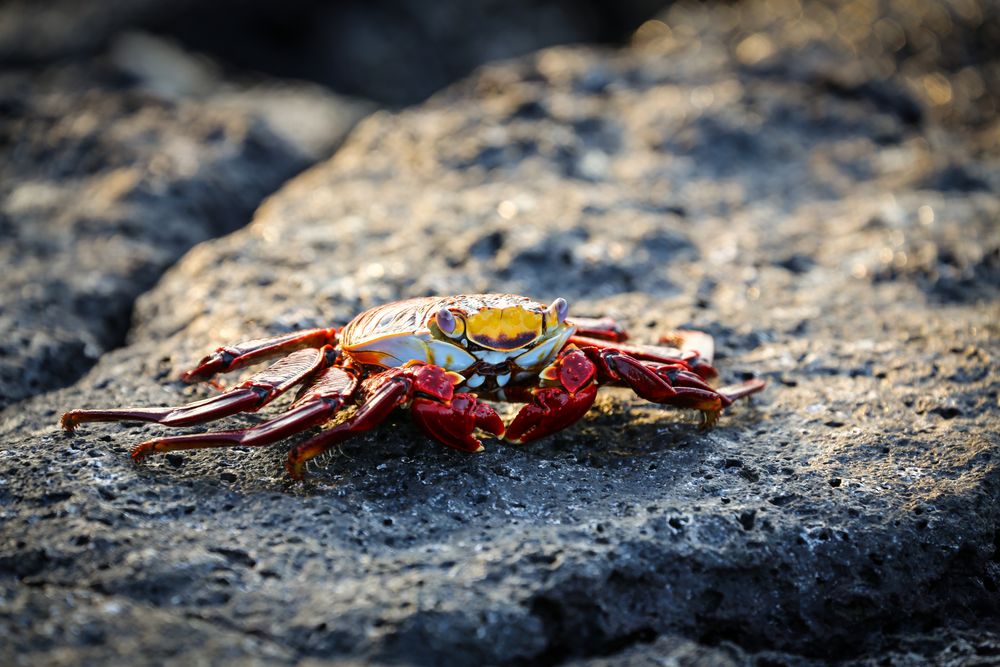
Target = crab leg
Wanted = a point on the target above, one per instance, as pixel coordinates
(689, 340)
(443, 414)
(680, 377)
(734, 392)
(668, 383)
(370, 414)
(699, 359)
(603, 328)
(230, 357)
(248, 396)
(318, 402)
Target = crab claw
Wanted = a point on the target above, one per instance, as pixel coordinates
(551, 410)
(571, 371)
(447, 416)
(555, 407)
(452, 423)
(431, 381)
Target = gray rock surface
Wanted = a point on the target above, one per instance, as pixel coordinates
(835, 230)
(109, 176)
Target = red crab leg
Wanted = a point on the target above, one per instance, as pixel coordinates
(668, 384)
(680, 377)
(426, 385)
(688, 340)
(319, 401)
(698, 361)
(550, 409)
(247, 396)
(603, 328)
(230, 357)
(371, 413)
(734, 392)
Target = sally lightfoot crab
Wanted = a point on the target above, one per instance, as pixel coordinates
(438, 356)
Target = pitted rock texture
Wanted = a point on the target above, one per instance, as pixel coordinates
(849, 513)
(107, 180)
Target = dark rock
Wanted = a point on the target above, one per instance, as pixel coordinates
(798, 263)
(32, 32)
(838, 517)
(887, 96)
(107, 179)
(393, 51)
(956, 178)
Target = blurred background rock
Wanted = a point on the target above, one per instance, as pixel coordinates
(400, 51)
(393, 51)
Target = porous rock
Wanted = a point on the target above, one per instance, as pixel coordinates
(848, 513)
(111, 172)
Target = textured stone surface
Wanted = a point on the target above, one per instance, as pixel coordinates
(111, 170)
(816, 229)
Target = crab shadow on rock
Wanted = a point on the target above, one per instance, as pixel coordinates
(618, 434)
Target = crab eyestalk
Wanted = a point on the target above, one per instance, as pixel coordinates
(449, 324)
(556, 313)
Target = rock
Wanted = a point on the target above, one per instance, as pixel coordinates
(395, 51)
(32, 32)
(668, 651)
(107, 181)
(392, 51)
(849, 513)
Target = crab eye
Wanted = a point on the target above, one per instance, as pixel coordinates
(559, 309)
(447, 323)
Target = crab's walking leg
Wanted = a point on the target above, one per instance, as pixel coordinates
(698, 360)
(668, 383)
(231, 357)
(690, 341)
(697, 349)
(443, 414)
(570, 394)
(247, 396)
(602, 328)
(318, 402)
(734, 392)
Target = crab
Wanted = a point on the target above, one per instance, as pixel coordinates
(442, 358)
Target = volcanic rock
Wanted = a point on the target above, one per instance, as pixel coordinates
(111, 173)
(725, 173)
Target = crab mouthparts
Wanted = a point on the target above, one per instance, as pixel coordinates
(483, 368)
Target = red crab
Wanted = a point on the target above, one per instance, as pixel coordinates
(438, 356)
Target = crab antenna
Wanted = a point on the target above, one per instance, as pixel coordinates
(559, 309)
(446, 322)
